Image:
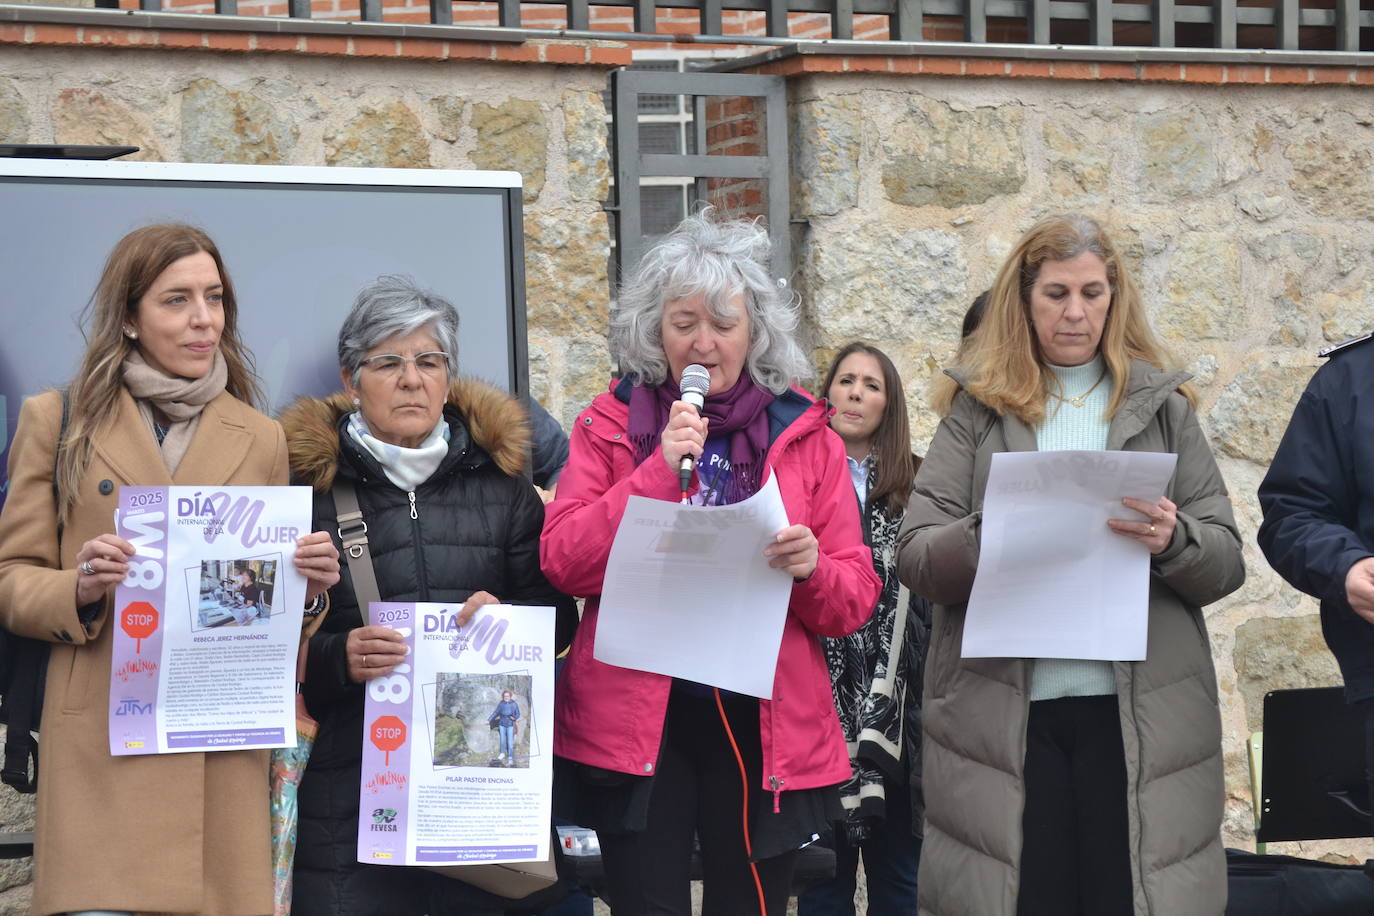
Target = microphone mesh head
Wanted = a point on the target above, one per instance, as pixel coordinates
(695, 379)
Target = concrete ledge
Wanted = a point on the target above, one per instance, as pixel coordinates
(1171, 65)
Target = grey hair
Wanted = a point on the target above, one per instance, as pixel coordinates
(391, 306)
(716, 258)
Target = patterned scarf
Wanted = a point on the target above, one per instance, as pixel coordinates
(741, 413)
(875, 676)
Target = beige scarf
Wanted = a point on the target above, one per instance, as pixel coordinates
(178, 399)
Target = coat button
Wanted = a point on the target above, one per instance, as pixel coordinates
(648, 767)
(587, 421)
(106, 487)
(616, 436)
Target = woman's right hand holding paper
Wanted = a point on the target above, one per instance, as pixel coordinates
(373, 651)
(107, 559)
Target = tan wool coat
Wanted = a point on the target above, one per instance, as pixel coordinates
(180, 833)
(976, 710)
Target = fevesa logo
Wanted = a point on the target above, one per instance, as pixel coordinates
(130, 706)
(382, 819)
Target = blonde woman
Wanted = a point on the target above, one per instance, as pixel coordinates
(1063, 786)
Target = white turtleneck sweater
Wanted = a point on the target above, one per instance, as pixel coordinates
(1067, 428)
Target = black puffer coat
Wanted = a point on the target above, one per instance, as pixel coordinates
(475, 526)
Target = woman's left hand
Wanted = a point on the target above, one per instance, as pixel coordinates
(475, 600)
(1156, 532)
(795, 550)
(318, 560)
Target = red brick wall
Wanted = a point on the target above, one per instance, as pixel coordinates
(736, 126)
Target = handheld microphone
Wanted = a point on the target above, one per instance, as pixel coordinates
(695, 384)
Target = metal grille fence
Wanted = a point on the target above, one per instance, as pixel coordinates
(1292, 25)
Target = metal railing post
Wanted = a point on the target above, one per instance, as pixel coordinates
(976, 21)
(1224, 24)
(906, 22)
(1286, 21)
(1162, 22)
(842, 19)
(1100, 22)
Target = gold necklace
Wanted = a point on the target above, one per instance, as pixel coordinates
(1082, 398)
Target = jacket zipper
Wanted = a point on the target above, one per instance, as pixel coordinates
(419, 547)
(776, 783)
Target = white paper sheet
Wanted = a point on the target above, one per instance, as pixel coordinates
(1053, 580)
(689, 593)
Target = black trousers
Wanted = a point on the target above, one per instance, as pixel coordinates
(1075, 857)
(1368, 706)
(697, 791)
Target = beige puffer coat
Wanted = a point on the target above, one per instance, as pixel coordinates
(976, 710)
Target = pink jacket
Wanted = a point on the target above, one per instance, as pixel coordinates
(612, 717)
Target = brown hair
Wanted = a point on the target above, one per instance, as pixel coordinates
(133, 266)
(892, 441)
(1002, 359)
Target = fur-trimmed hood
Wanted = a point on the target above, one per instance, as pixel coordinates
(497, 422)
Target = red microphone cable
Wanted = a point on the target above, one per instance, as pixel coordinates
(744, 786)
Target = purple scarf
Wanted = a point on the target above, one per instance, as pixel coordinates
(741, 412)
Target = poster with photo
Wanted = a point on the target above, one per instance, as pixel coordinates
(207, 622)
(458, 740)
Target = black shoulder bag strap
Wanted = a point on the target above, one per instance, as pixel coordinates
(23, 701)
(353, 535)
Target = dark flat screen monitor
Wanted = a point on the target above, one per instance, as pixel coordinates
(298, 242)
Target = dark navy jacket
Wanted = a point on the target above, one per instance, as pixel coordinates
(1318, 503)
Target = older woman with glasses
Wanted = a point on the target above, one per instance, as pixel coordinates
(436, 464)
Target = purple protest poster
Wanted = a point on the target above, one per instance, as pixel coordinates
(457, 741)
(207, 622)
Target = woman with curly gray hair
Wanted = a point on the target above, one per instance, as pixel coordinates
(658, 759)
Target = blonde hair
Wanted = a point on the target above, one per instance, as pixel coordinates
(1001, 359)
(133, 266)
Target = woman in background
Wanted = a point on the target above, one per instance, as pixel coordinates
(875, 673)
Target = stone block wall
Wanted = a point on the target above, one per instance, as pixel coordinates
(1245, 211)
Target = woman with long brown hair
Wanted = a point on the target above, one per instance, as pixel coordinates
(162, 397)
(1072, 786)
(875, 673)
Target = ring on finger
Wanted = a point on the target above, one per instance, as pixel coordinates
(364, 661)
(87, 569)
(1152, 528)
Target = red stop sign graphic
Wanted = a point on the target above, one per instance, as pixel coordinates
(139, 620)
(388, 733)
